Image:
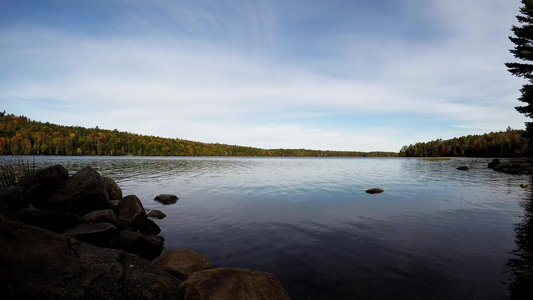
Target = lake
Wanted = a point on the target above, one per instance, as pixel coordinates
(436, 232)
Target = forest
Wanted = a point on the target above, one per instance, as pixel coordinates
(509, 143)
(22, 136)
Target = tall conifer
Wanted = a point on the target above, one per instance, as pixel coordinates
(523, 50)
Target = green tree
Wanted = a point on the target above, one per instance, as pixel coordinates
(523, 50)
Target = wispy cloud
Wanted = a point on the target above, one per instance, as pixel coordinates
(229, 72)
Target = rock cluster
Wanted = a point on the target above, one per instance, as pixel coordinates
(77, 237)
(519, 166)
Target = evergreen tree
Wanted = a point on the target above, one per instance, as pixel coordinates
(523, 50)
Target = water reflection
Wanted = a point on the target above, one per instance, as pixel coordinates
(521, 265)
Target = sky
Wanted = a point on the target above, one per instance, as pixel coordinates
(353, 75)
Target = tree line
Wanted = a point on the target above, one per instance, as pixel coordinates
(509, 143)
(22, 136)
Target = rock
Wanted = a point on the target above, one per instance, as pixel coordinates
(494, 163)
(145, 245)
(97, 234)
(463, 168)
(113, 204)
(150, 227)
(13, 197)
(154, 213)
(374, 191)
(113, 190)
(183, 262)
(56, 221)
(524, 185)
(131, 211)
(40, 264)
(515, 167)
(41, 184)
(166, 199)
(6, 214)
(99, 216)
(231, 283)
(80, 194)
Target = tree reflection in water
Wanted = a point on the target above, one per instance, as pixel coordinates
(521, 265)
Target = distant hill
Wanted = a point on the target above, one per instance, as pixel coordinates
(22, 136)
(509, 143)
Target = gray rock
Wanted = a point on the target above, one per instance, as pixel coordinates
(13, 197)
(494, 163)
(231, 283)
(154, 213)
(113, 190)
(97, 234)
(40, 264)
(56, 221)
(80, 194)
(183, 262)
(41, 184)
(6, 214)
(374, 191)
(166, 199)
(99, 216)
(150, 227)
(145, 245)
(131, 211)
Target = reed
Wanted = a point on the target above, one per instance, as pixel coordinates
(13, 169)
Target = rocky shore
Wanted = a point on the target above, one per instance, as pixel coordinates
(518, 166)
(77, 237)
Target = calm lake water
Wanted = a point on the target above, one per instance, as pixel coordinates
(435, 233)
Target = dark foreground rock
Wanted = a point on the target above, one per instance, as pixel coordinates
(230, 284)
(99, 216)
(145, 245)
(131, 212)
(113, 190)
(166, 199)
(41, 184)
(183, 262)
(82, 193)
(97, 234)
(154, 213)
(40, 264)
(56, 221)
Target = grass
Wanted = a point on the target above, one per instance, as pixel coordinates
(13, 170)
(436, 158)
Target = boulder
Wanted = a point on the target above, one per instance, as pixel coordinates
(113, 190)
(166, 199)
(515, 167)
(183, 262)
(494, 163)
(131, 211)
(154, 213)
(40, 264)
(80, 194)
(145, 245)
(232, 283)
(56, 221)
(97, 234)
(463, 168)
(13, 197)
(41, 184)
(6, 214)
(374, 191)
(524, 185)
(99, 216)
(150, 227)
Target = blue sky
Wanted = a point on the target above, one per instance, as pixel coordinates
(360, 75)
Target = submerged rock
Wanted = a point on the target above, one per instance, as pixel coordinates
(524, 185)
(183, 262)
(374, 191)
(463, 168)
(230, 284)
(494, 163)
(166, 199)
